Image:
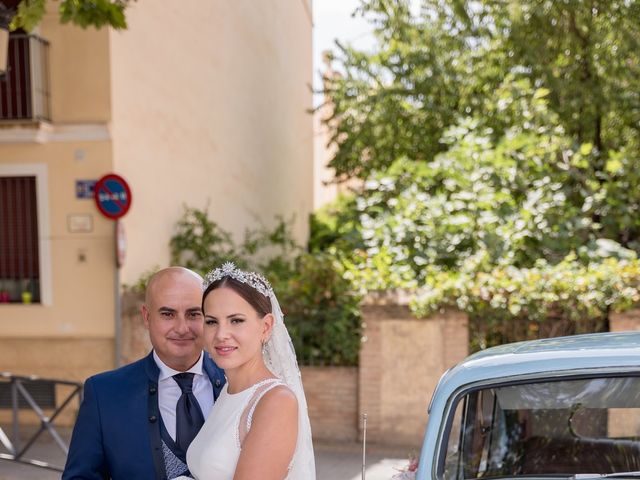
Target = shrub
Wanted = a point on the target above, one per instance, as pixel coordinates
(319, 303)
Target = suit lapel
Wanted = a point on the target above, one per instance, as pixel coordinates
(215, 373)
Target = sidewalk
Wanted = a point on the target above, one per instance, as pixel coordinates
(339, 461)
(334, 461)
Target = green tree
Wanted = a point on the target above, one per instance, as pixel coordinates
(484, 66)
(26, 14)
(496, 149)
(428, 70)
(318, 301)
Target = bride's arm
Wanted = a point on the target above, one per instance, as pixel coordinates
(270, 443)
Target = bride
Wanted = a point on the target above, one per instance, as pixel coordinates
(259, 426)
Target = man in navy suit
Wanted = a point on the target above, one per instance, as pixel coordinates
(136, 422)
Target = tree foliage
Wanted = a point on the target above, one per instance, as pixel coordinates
(488, 138)
(84, 13)
(429, 70)
(508, 304)
(318, 301)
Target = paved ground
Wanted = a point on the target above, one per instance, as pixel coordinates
(334, 461)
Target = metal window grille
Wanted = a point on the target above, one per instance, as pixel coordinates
(19, 239)
(24, 89)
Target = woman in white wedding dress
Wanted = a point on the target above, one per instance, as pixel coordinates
(259, 426)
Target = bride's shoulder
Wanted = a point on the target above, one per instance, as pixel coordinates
(280, 401)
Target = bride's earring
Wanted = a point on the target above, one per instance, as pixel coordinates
(264, 347)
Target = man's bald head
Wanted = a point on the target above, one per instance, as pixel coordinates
(172, 313)
(167, 275)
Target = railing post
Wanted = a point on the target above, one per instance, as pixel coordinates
(32, 42)
(16, 410)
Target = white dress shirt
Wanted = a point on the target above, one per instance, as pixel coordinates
(169, 392)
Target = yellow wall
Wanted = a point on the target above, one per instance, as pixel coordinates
(75, 147)
(80, 89)
(82, 292)
(209, 108)
(199, 102)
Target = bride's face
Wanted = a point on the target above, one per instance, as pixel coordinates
(233, 329)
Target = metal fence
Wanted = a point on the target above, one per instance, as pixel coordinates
(36, 394)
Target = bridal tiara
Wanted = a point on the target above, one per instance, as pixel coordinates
(229, 269)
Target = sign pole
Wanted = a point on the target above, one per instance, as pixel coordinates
(364, 445)
(118, 303)
(113, 198)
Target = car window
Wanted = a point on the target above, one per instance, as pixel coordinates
(565, 427)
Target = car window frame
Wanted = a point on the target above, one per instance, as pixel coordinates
(438, 460)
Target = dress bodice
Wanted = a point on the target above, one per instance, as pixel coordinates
(214, 453)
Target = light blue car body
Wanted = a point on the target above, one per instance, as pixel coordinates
(536, 360)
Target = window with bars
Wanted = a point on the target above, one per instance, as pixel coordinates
(19, 258)
(24, 89)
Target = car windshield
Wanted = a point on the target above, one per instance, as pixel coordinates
(555, 428)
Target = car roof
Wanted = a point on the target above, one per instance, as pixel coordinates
(547, 357)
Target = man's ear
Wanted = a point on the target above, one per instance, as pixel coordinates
(267, 327)
(145, 315)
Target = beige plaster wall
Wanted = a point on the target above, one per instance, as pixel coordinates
(210, 103)
(72, 336)
(198, 102)
(79, 70)
(82, 264)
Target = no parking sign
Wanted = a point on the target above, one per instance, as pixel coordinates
(113, 196)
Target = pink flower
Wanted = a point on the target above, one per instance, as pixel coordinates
(408, 472)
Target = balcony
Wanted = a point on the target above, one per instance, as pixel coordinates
(24, 89)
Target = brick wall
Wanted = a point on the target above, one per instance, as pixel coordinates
(332, 392)
(135, 342)
(401, 361)
(625, 321)
(332, 399)
(51, 358)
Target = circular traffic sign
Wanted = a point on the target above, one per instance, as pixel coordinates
(113, 196)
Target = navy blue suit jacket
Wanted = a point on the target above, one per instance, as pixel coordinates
(117, 433)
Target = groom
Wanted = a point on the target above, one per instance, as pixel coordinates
(136, 422)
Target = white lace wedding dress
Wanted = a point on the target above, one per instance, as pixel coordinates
(213, 454)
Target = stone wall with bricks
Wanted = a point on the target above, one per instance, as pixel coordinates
(624, 321)
(54, 358)
(332, 399)
(135, 342)
(622, 422)
(332, 392)
(401, 360)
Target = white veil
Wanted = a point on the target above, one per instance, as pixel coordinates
(280, 357)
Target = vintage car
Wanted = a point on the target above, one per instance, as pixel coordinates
(555, 408)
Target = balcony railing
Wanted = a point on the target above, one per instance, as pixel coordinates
(24, 89)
